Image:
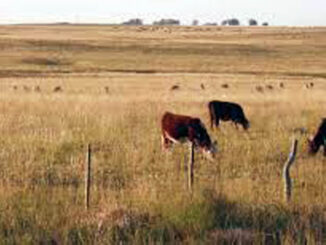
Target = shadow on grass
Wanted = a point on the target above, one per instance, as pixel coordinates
(212, 218)
(205, 218)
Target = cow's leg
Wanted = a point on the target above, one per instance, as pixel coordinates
(212, 122)
(212, 118)
(165, 142)
(217, 122)
(236, 125)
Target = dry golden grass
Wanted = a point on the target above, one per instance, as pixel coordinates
(44, 133)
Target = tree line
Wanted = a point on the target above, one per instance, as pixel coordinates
(226, 22)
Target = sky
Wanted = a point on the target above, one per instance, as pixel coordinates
(275, 12)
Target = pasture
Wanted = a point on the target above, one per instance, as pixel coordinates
(62, 87)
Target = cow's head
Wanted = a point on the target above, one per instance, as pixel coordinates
(245, 123)
(312, 146)
(210, 153)
(199, 136)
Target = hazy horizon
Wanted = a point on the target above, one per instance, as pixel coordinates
(277, 12)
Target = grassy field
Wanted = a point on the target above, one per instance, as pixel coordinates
(115, 84)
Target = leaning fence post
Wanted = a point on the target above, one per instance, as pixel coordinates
(191, 166)
(88, 175)
(286, 171)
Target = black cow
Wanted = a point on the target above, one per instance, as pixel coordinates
(319, 139)
(225, 111)
(179, 128)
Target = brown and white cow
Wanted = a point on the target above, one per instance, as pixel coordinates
(225, 111)
(180, 128)
(319, 139)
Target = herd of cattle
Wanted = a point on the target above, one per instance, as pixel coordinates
(37, 88)
(180, 128)
(258, 88)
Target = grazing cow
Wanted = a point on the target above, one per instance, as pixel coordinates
(57, 89)
(318, 140)
(37, 89)
(281, 85)
(202, 86)
(107, 89)
(309, 85)
(259, 88)
(225, 85)
(270, 87)
(175, 87)
(26, 88)
(225, 111)
(179, 128)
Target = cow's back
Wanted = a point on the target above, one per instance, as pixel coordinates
(236, 111)
(220, 109)
(175, 125)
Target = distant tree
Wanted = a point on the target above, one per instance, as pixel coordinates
(167, 22)
(224, 22)
(231, 22)
(234, 22)
(265, 24)
(133, 22)
(195, 22)
(63, 23)
(210, 24)
(253, 22)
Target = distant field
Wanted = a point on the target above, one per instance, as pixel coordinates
(244, 50)
(114, 86)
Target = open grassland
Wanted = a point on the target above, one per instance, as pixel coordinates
(115, 84)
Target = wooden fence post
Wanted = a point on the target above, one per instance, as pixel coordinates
(88, 176)
(286, 171)
(191, 165)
